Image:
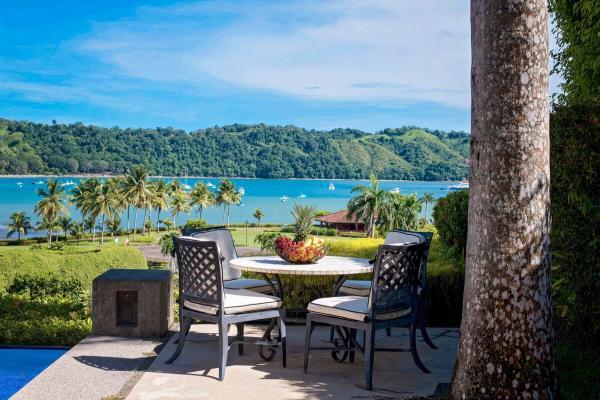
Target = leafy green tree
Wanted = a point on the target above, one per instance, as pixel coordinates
(52, 205)
(201, 197)
(450, 216)
(105, 204)
(19, 224)
(259, 215)
(226, 196)
(83, 196)
(368, 204)
(577, 58)
(168, 223)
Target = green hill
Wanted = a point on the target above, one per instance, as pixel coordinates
(261, 151)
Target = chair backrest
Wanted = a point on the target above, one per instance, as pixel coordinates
(200, 271)
(223, 237)
(402, 236)
(396, 278)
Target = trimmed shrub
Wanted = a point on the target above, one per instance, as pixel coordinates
(39, 286)
(193, 224)
(450, 217)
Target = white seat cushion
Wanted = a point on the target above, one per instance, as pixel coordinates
(351, 307)
(256, 285)
(356, 288)
(238, 301)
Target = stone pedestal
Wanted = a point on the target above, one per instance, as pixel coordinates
(132, 302)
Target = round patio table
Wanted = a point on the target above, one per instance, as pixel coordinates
(274, 266)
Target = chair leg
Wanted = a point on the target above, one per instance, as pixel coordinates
(240, 337)
(423, 328)
(282, 338)
(223, 348)
(184, 328)
(307, 335)
(369, 355)
(388, 331)
(352, 345)
(187, 330)
(413, 348)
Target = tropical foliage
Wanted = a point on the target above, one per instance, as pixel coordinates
(450, 216)
(19, 224)
(255, 151)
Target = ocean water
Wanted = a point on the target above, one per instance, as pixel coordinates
(259, 193)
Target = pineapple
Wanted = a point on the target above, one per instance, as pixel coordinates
(304, 217)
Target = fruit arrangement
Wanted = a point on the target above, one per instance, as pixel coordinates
(307, 251)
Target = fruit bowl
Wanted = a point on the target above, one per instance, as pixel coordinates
(308, 251)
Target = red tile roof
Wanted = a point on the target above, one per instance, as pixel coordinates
(339, 217)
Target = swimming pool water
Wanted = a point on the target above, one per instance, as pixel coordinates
(20, 365)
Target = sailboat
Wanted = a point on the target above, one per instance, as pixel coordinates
(331, 186)
(67, 183)
(20, 184)
(185, 185)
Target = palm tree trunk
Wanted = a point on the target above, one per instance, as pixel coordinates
(135, 214)
(506, 336)
(102, 230)
(128, 213)
(158, 220)
(201, 208)
(49, 237)
(228, 215)
(224, 211)
(144, 221)
(176, 220)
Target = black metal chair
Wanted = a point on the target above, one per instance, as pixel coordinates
(392, 302)
(363, 288)
(202, 296)
(232, 278)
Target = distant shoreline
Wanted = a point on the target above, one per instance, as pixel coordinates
(212, 177)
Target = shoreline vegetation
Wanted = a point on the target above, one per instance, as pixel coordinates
(246, 151)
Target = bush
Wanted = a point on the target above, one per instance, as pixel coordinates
(267, 241)
(81, 263)
(50, 320)
(575, 200)
(194, 224)
(40, 286)
(167, 247)
(450, 216)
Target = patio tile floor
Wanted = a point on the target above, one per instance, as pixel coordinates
(194, 374)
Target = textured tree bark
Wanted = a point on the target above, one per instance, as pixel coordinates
(505, 348)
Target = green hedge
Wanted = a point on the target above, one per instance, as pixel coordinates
(79, 262)
(575, 201)
(450, 216)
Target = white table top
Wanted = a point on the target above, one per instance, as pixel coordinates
(328, 265)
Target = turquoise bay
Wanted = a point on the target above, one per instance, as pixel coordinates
(259, 193)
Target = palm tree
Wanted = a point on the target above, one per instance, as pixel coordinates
(226, 196)
(77, 230)
(400, 212)
(427, 199)
(20, 224)
(114, 225)
(105, 204)
(201, 197)
(83, 196)
(138, 191)
(179, 203)
(64, 223)
(160, 199)
(368, 204)
(258, 214)
(52, 204)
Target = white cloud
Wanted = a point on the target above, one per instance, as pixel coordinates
(389, 52)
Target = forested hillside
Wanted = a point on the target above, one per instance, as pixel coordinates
(261, 151)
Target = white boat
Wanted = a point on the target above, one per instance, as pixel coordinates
(39, 183)
(331, 186)
(462, 185)
(185, 186)
(302, 195)
(242, 191)
(284, 198)
(395, 190)
(19, 184)
(68, 183)
(210, 185)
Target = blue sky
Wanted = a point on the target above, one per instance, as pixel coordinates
(354, 63)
